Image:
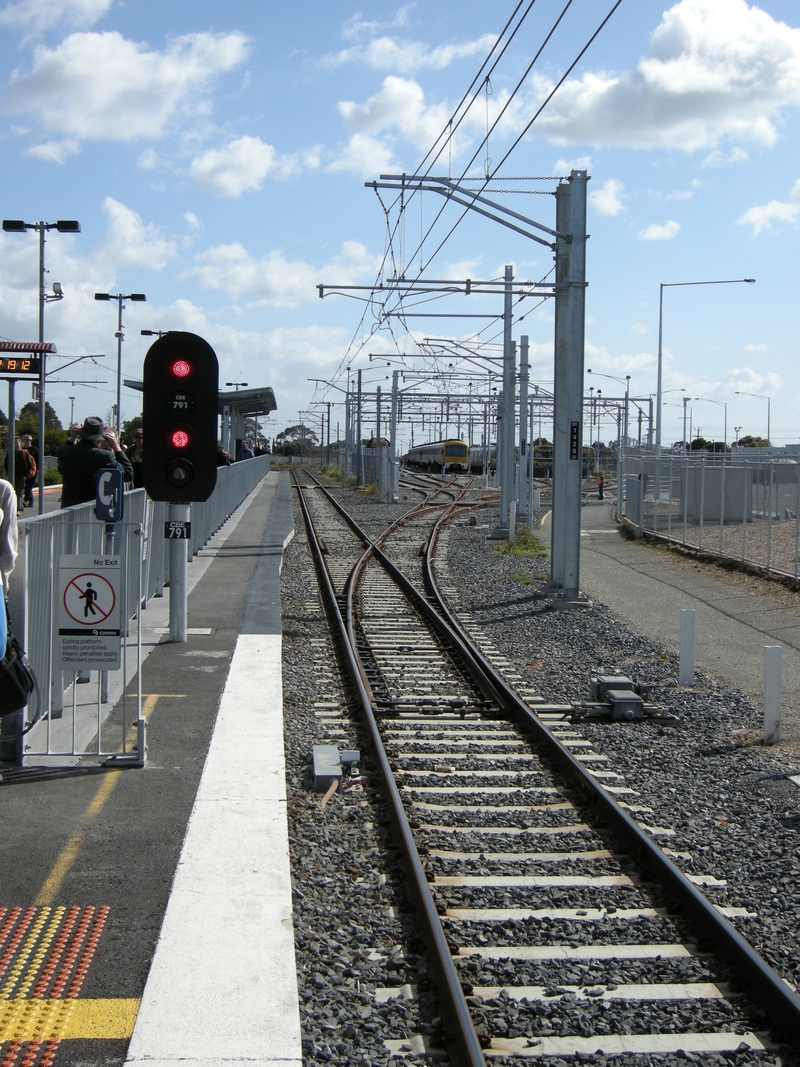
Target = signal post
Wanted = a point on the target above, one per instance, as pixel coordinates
(180, 398)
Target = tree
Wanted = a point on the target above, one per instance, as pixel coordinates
(295, 440)
(749, 441)
(129, 428)
(28, 422)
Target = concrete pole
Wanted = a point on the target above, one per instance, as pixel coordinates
(346, 469)
(359, 453)
(524, 443)
(507, 425)
(569, 357)
(378, 417)
(177, 577)
(393, 441)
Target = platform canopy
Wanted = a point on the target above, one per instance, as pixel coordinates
(259, 401)
(33, 347)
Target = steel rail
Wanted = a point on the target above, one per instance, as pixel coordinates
(763, 984)
(464, 1047)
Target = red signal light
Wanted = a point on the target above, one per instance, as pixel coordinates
(179, 439)
(181, 368)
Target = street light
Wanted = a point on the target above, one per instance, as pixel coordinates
(671, 285)
(119, 297)
(238, 385)
(153, 333)
(740, 392)
(724, 405)
(63, 226)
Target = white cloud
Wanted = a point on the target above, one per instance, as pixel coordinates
(357, 27)
(680, 194)
(150, 160)
(746, 380)
(239, 167)
(716, 68)
(400, 104)
(755, 348)
(605, 200)
(35, 16)
(193, 221)
(130, 242)
(639, 327)
(365, 156)
(762, 217)
(564, 166)
(657, 232)
(101, 86)
(274, 281)
(718, 158)
(54, 151)
(391, 53)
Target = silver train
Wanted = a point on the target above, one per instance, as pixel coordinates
(450, 455)
(482, 457)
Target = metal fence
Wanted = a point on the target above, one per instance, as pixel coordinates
(140, 543)
(727, 504)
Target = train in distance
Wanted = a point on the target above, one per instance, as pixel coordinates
(449, 455)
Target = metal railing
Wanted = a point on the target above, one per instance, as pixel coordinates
(69, 531)
(726, 504)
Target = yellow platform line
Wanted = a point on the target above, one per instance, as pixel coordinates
(61, 1020)
(69, 852)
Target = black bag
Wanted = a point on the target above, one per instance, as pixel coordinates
(16, 678)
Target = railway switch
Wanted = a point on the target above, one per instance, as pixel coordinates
(619, 699)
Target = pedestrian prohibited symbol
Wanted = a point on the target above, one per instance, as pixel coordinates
(89, 599)
(89, 611)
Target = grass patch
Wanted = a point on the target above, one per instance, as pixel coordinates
(52, 477)
(521, 577)
(332, 472)
(371, 490)
(350, 480)
(526, 543)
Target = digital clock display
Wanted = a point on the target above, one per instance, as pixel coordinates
(11, 366)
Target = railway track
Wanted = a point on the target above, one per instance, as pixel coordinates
(555, 925)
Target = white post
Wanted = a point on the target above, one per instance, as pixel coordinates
(772, 694)
(512, 521)
(686, 667)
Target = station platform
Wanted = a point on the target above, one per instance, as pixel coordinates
(146, 914)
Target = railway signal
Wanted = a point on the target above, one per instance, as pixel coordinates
(180, 418)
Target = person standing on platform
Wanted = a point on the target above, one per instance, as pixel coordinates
(30, 479)
(135, 456)
(245, 452)
(96, 449)
(23, 466)
(601, 484)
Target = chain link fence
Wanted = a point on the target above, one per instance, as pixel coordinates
(727, 504)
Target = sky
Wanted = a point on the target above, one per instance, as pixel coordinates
(216, 155)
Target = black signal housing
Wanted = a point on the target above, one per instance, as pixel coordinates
(181, 386)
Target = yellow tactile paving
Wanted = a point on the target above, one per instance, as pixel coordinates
(62, 1020)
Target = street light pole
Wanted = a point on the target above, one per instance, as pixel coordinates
(672, 285)
(63, 226)
(119, 297)
(740, 392)
(722, 404)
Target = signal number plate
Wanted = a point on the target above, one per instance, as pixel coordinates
(177, 530)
